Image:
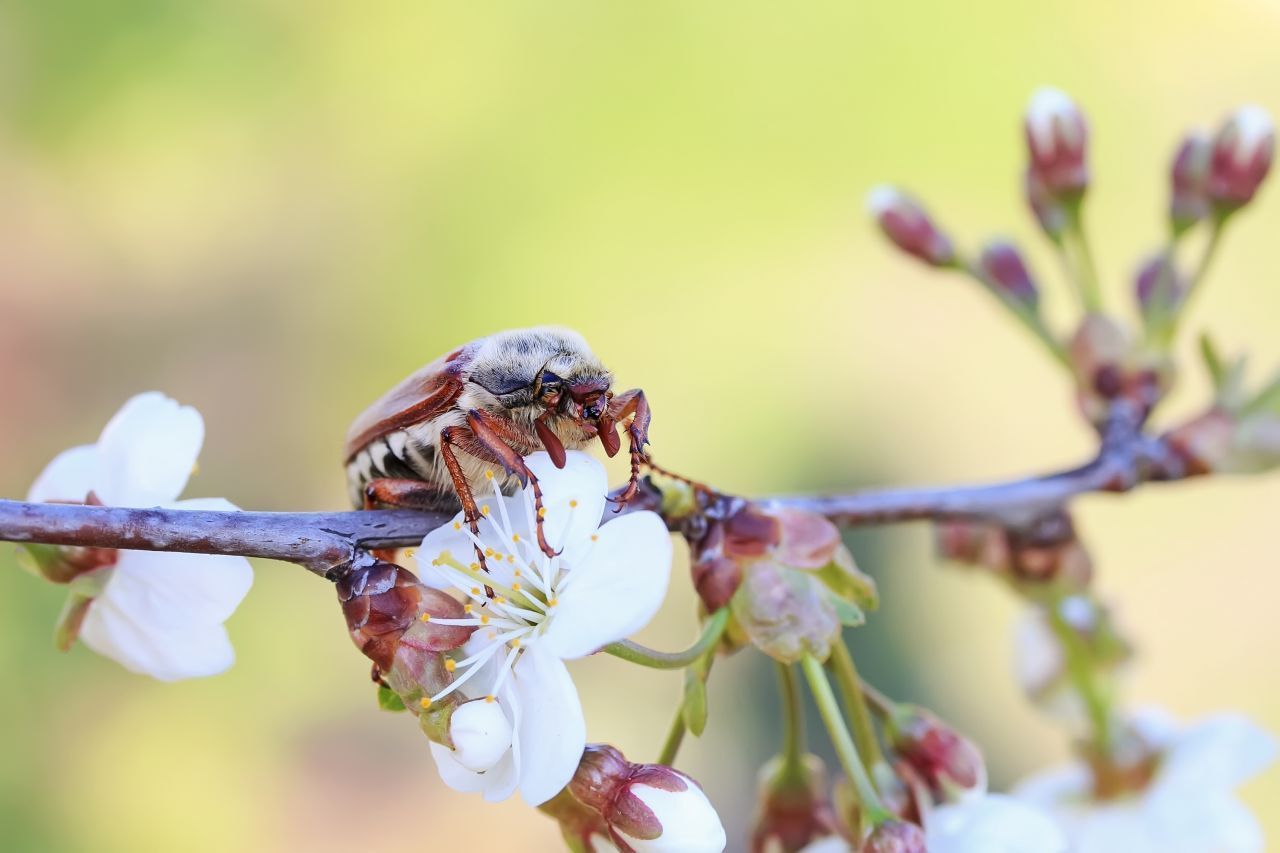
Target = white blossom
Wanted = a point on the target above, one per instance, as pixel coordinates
(1189, 805)
(992, 823)
(158, 614)
(605, 582)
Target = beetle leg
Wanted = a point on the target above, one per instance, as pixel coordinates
(488, 430)
(403, 494)
(631, 403)
(449, 436)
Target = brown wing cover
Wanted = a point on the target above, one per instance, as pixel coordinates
(421, 397)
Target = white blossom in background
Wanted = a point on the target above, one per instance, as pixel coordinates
(157, 614)
(606, 582)
(992, 823)
(1189, 806)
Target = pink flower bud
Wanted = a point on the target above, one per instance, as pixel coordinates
(950, 764)
(1003, 268)
(1189, 179)
(794, 810)
(909, 226)
(1057, 136)
(646, 807)
(382, 601)
(1156, 270)
(895, 836)
(1241, 157)
(1048, 211)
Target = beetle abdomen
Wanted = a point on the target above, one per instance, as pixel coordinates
(398, 456)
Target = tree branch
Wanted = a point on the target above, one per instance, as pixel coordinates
(328, 543)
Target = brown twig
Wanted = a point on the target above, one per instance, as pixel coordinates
(329, 543)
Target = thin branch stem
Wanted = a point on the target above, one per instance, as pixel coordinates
(864, 731)
(793, 736)
(636, 653)
(675, 737)
(872, 808)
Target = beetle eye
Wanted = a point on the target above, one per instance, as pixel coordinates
(549, 378)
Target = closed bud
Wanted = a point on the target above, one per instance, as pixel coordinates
(895, 836)
(1002, 267)
(950, 764)
(481, 735)
(643, 807)
(382, 601)
(1189, 180)
(1227, 442)
(1048, 210)
(1158, 285)
(1241, 158)
(1057, 138)
(909, 226)
(793, 811)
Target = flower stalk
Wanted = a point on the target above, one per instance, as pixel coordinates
(873, 811)
(633, 652)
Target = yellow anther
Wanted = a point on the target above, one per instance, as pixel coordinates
(475, 590)
(515, 537)
(450, 664)
(515, 644)
(426, 702)
(573, 503)
(511, 558)
(488, 474)
(490, 698)
(516, 587)
(484, 510)
(552, 602)
(594, 537)
(500, 600)
(410, 552)
(426, 617)
(489, 552)
(542, 512)
(467, 608)
(195, 467)
(475, 567)
(484, 618)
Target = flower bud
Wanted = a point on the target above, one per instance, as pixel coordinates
(382, 601)
(909, 226)
(1241, 158)
(1048, 210)
(793, 810)
(1002, 267)
(950, 764)
(1189, 180)
(1057, 136)
(1226, 442)
(481, 734)
(895, 836)
(646, 807)
(1159, 285)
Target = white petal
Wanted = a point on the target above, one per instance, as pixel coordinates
(993, 824)
(689, 822)
(551, 729)
(159, 589)
(454, 541)
(167, 653)
(69, 477)
(147, 451)
(454, 774)
(830, 844)
(503, 780)
(1048, 788)
(574, 497)
(1200, 820)
(617, 590)
(1222, 752)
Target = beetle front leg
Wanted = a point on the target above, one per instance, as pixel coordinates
(449, 436)
(631, 403)
(494, 433)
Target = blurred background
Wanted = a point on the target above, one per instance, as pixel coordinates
(274, 210)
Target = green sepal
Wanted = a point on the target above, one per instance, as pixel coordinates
(849, 583)
(693, 707)
(389, 700)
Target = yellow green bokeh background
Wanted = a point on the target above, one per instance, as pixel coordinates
(274, 210)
